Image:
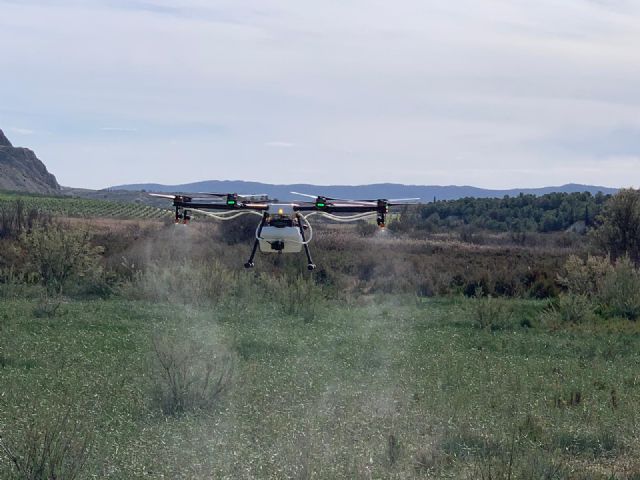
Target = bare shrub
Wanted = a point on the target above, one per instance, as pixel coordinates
(188, 375)
(51, 449)
(15, 219)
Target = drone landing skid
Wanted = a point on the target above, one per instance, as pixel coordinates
(250, 263)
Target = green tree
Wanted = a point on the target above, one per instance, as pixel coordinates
(619, 230)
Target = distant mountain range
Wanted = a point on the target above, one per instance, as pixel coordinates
(21, 170)
(379, 190)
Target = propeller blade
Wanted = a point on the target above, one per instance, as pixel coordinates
(305, 195)
(254, 197)
(209, 194)
(332, 200)
(248, 196)
(403, 200)
(162, 195)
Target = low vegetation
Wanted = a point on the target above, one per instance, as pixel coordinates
(140, 349)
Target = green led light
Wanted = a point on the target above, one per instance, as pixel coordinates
(231, 202)
(321, 205)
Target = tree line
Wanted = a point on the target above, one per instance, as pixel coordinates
(552, 212)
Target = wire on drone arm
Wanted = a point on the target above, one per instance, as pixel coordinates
(227, 215)
(310, 230)
(345, 218)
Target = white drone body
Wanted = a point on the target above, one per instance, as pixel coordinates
(281, 233)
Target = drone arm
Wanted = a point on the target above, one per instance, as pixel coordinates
(330, 208)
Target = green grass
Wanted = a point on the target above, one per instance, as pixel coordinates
(390, 388)
(83, 207)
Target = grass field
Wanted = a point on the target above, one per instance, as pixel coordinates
(388, 387)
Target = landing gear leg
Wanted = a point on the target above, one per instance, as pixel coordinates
(250, 263)
(310, 265)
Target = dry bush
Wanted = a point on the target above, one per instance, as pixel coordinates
(585, 277)
(47, 307)
(614, 288)
(15, 219)
(188, 375)
(303, 297)
(366, 229)
(428, 458)
(568, 309)
(620, 291)
(490, 313)
(51, 449)
(57, 253)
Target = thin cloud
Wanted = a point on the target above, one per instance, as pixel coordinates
(277, 144)
(118, 129)
(22, 131)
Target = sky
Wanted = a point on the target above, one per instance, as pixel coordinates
(490, 93)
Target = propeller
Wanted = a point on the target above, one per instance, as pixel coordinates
(306, 195)
(253, 197)
(403, 200)
(392, 200)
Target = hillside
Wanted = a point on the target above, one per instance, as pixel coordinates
(381, 190)
(22, 171)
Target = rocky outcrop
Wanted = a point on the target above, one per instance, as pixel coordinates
(4, 141)
(21, 170)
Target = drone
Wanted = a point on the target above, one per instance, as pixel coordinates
(284, 227)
